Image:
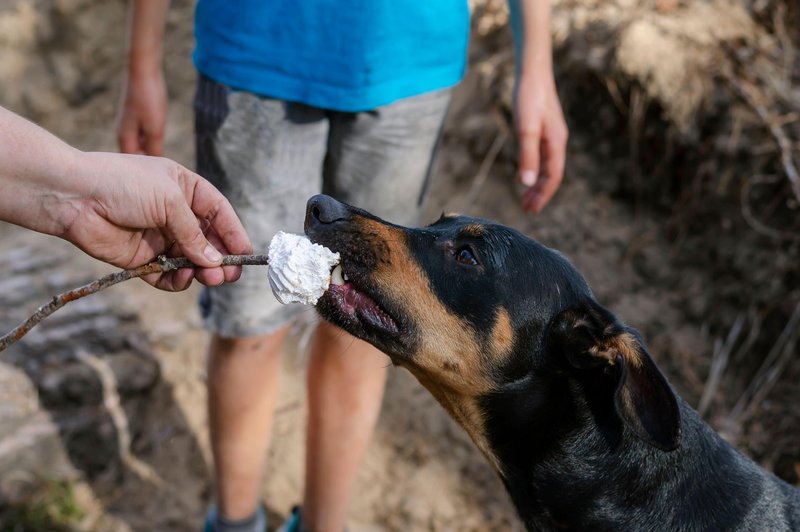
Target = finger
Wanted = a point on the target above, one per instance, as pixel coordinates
(128, 136)
(557, 156)
(555, 151)
(210, 276)
(231, 273)
(183, 227)
(530, 198)
(181, 279)
(209, 204)
(173, 281)
(529, 150)
(176, 281)
(207, 276)
(153, 143)
(151, 279)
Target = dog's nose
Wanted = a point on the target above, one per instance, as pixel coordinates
(324, 209)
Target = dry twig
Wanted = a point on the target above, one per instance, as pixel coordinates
(162, 265)
(771, 368)
(754, 323)
(719, 362)
(750, 217)
(483, 171)
(750, 95)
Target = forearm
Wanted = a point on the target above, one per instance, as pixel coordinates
(38, 188)
(530, 23)
(146, 21)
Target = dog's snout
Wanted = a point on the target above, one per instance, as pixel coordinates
(324, 209)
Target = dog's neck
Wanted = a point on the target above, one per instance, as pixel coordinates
(527, 422)
(568, 462)
(465, 410)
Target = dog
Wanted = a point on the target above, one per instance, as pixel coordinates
(562, 398)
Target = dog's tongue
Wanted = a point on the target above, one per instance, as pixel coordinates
(358, 305)
(299, 270)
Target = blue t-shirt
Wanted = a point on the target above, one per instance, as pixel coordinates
(344, 55)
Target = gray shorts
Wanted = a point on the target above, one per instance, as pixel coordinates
(269, 156)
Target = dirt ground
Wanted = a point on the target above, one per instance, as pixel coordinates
(421, 471)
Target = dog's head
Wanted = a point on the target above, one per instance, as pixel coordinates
(472, 307)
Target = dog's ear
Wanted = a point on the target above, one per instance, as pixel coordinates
(592, 339)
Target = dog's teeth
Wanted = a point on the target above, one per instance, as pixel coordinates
(345, 277)
(336, 275)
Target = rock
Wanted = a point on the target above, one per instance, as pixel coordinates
(31, 450)
(52, 401)
(134, 373)
(73, 384)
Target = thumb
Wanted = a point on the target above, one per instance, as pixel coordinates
(529, 154)
(185, 229)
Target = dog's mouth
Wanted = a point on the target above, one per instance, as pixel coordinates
(351, 305)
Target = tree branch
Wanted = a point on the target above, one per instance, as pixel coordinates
(161, 265)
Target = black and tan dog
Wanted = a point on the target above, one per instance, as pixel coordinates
(562, 398)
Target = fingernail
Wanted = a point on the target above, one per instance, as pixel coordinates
(212, 254)
(528, 178)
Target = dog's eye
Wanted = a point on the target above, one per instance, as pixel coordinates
(465, 256)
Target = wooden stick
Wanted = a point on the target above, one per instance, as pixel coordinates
(161, 265)
(483, 171)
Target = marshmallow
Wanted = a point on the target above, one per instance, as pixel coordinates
(299, 270)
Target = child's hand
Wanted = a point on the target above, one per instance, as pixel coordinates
(542, 135)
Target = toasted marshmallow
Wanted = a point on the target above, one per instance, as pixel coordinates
(299, 270)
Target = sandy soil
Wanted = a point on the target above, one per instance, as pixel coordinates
(421, 471)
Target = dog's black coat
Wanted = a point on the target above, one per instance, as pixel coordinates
(587, 432)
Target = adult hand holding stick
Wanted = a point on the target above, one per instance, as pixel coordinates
(125, 210)
(122, 209)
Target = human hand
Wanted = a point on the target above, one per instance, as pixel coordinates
(139, 207)
(542, 135)
(143, 113)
